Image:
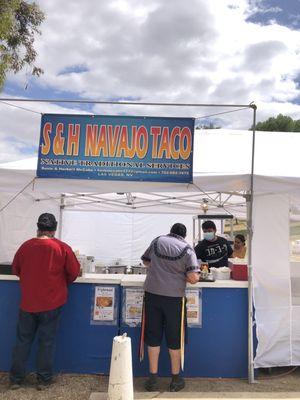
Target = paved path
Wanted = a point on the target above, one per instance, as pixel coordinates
(205, 396)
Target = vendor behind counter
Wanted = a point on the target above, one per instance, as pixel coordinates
(239, 247)
(213, 249)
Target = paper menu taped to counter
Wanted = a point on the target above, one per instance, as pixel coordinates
(132, 306)
(104, 303)
(194, 307)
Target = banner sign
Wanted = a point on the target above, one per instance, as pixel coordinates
(116, 148)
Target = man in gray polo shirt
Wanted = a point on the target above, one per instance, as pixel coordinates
(171, 263)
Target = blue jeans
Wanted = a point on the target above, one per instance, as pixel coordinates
(46, 325)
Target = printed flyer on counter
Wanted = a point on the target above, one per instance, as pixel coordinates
(133, 305)
(104, 303)
(194, 307)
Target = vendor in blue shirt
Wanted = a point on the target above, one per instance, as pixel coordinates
(213, 249)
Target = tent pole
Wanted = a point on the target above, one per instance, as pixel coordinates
(194, 233)
(250, 270)
(61, 207)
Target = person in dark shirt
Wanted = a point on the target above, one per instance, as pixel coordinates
(213, 249)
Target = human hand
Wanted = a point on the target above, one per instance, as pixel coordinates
(193, 277)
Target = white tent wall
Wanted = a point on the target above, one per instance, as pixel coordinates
(272, 281)
(18, 221)
(295, 326)
(106, 235)
(112, 236)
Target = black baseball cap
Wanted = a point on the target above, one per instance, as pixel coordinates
(47, 222)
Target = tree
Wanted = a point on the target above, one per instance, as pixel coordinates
(297, 126)
(19, 22)
(282, 123)
(211, 125)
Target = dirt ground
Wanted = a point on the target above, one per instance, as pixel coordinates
(278, 381)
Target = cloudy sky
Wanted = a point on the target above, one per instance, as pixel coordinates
(195, 51)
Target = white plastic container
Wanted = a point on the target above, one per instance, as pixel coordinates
(222, 273)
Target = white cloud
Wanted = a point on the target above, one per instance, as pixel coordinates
(20, 129)
(201, 51)
(258, 6)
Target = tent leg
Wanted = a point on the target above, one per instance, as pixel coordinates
(250, 329)
(250, 275)
(61, 207)
(250, 298)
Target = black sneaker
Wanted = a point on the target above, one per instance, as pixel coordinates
(151, 384)
(177, 384)
(14, 386)
(42, 385)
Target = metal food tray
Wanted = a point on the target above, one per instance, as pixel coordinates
(116, 269)
(206, 279)
(6, 268)
(139, 270)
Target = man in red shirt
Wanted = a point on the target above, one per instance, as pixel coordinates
(45, 266)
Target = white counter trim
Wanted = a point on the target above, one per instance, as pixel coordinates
(133, 280)
(138, 280)
(109, 279)
(221, 284)
(5, 277)
(114, 279)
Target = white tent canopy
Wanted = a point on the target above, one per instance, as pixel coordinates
(221, 178)
(227, 152)
(222, 163)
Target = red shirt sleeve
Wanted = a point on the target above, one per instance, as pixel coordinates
(72, 266)
(16, 267)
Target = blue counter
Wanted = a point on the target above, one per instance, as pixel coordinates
(217, 349)
(81, 346)
(220, 347)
